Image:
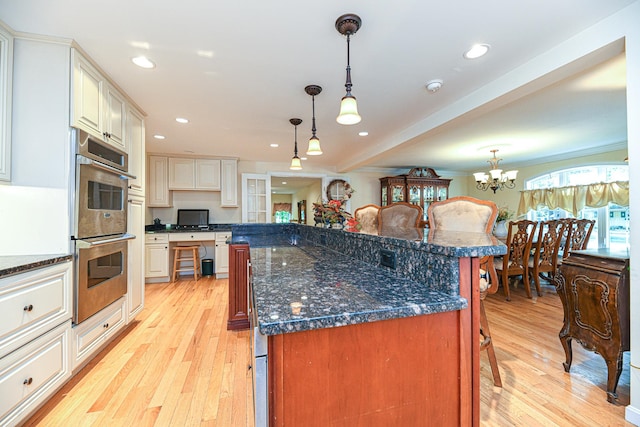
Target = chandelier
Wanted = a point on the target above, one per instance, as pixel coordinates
(496, 179)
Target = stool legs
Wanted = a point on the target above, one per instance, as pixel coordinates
(178, 259)
(487, 344)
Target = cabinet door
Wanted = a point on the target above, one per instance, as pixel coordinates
(87, 96)
(181, 174)
(208, 174)
(157, 260)
(115, 113)
(222, 253)
(135, 142)
(158, 188)
(135, 264)
(229, 176)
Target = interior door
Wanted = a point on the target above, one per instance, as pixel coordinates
(256, 198)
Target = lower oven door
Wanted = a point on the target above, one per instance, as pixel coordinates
(101, 274)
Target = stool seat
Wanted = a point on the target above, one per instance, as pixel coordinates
(192, 258)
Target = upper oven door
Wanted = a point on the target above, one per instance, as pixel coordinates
(101, 200)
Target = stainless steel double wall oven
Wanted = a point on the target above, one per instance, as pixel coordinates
(99, 225)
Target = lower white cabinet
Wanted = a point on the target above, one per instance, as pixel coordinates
(32, 373)
(156, 256)
(90, 335)
(222, 254)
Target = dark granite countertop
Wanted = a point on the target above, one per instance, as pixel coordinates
(21, 263)
(162, 228)
(306, 287)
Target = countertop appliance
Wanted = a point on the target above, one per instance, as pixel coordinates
(192, 219)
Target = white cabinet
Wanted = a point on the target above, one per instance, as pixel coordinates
(35, 336)
(158, 194)
(194, 174)
(98, 107)
(32, 303)
(229, 184)
(156, 257)
(6, 69)
(136, 254)
(32, 373)
(208, 174)
(222, 254)
(92, 334)
(135, 141)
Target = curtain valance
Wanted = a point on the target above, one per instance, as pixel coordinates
(277, 207)
(575, 198)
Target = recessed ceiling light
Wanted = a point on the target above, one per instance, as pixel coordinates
(143, 61)
(182, 120)
(158, 136)
(303, 158)
(434, 85)
(363, 133)
(284, 182)
(273, 145)
(476, 51)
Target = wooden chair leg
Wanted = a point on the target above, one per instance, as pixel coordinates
(488, 345)
(176, 256)
(505, 285)
(194, 254)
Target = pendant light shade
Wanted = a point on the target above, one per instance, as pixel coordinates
(314, 142)
(296, 165)
(348, 111)
(347, 25)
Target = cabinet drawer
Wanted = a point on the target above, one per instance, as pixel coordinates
(199, 236)
(29, 375)
(96, 330)
(32, 303)
(223, 236)
(156, 238)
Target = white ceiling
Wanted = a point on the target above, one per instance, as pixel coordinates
(237, 70)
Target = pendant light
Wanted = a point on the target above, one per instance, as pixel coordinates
(314, 143)
(347, 25)
(295, 161)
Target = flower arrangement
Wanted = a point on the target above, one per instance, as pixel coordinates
(330, 212)
(504, 214)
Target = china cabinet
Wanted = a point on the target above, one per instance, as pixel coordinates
(421, 186)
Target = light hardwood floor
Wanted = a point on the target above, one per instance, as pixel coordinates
(177, 365)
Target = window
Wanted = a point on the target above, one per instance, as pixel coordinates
(611, 229)
(283, 217)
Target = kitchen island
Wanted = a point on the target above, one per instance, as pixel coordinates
(366, 330)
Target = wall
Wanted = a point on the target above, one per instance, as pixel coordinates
(197, 200)
(34, 207)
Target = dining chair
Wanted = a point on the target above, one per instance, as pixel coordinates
(578, 236)
(399, 214)
(516, 261)
(544, 262)
(468, 214)
(367, 217)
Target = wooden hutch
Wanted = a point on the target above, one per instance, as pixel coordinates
(420, 186)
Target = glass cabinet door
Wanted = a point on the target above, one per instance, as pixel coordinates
(384, 196)
(428, 193)
(397, 193)
(442, 193)
(414, 194)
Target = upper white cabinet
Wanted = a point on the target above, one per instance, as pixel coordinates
(194, 174)
(229, 185)
(98, 107)
(6, 68)
(158, 194)
(135, 141)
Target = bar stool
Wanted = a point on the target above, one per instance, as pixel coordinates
(178, 257)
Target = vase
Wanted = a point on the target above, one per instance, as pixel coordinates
(500, 229)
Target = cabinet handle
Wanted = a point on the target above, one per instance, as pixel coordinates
(28, 381)
(106, 325)
(28, 307)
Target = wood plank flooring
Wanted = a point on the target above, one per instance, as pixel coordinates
(177, 365)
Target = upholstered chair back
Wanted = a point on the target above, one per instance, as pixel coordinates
(367, 217)
(399, 215)
(463, 213)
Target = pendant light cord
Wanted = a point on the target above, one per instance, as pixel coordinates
(348, 83)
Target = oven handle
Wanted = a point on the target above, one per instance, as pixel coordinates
(83, 244)
(87, 161)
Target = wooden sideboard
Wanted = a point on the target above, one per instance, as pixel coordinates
(594, 288)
